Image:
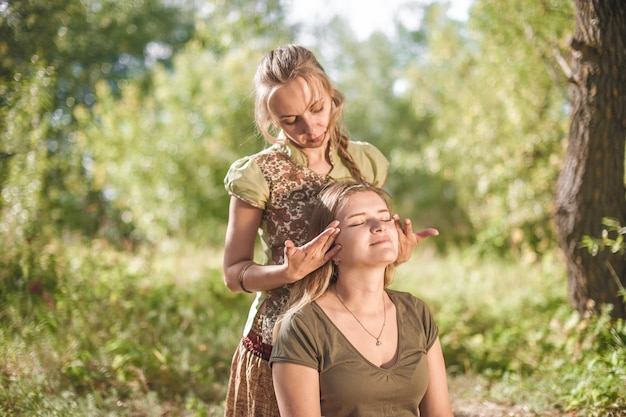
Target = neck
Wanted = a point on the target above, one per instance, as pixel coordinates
(318, 159)
(361, 288)
(316, 154)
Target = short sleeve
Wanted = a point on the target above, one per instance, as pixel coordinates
(371, 161)
(431, 329)
(295, 343)
(245, 180)
(417, 317)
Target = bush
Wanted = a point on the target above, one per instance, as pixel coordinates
(121, 333)
(510, 327)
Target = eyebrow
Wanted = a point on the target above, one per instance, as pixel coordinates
(313, 103)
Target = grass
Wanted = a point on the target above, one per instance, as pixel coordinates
(508, 327)
(151, 333)
(144, 334)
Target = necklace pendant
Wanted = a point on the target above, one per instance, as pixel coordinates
(378, 342)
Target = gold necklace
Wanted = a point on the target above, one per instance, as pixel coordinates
(378, 342)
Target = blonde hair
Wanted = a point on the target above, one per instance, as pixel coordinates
(285, 64)
(332, 198)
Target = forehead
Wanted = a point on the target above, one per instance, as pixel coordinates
(362, 202)
(294, 97)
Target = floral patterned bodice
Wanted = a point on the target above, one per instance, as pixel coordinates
(278, 181)
(293, 190)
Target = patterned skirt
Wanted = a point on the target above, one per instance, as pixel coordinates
(250, 387)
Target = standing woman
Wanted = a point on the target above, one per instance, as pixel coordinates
(347, 346)
(298, 111)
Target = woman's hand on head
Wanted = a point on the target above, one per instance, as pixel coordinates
(407, 240)
(302, 260)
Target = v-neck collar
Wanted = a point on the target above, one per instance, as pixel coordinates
(391, 368)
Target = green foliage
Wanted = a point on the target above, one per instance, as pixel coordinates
(76, 45)
(23, 236)
(593, 381)
(53, 52)
(500, 124)
(176, 144)
(121, 333)
(226, 25)
(612, 238)
(511, 327)
(489, 310)
(83, 42)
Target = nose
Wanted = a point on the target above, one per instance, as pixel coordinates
(308, 125)
(377, 226)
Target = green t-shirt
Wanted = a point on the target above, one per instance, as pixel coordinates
(350, 385)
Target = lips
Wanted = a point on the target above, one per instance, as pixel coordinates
(317, 139)
(381, 241)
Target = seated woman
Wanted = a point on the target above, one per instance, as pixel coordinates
(347, 346)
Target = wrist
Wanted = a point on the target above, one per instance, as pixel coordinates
(241, 276)
(289, 275)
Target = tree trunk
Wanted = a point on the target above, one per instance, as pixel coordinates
(591, 185)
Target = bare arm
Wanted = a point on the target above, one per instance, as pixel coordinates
(407, 240)
(243, 223)
(297, 390)
(436, 401)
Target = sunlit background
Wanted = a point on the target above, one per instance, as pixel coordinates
(364, 17)
(120, 118)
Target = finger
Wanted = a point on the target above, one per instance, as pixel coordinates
(332, 252)
(408, 227)
(328, 230)
(331, 239)
(334, 223)
(398, 224)
(426, 233)
(290, 248)
(405, 227)
(326, 238)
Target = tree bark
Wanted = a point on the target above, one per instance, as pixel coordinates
(591, 185)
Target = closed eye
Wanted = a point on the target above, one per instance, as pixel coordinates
(356, 224)
(361, 222)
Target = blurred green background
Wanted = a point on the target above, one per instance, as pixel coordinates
(119, 119)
